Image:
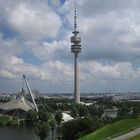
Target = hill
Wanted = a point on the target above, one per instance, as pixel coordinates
(113, 130)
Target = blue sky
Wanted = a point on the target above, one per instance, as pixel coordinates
(35, 41)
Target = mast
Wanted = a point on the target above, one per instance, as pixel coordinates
(76, 49)
(30, 92)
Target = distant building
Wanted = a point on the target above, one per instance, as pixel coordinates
(20, 103)
(66, 117)
(112, 113)
(87, 104)
(119, 98)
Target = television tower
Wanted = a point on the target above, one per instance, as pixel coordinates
(76, 49)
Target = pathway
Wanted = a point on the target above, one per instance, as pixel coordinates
(128, 135)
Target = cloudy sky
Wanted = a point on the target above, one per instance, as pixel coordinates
(35, 41)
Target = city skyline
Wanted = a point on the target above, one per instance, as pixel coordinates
(35, 41)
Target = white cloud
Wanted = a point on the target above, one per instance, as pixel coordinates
(6, 74)
(112, 36)
(90, 8)
(15, 60)
(116, 71)
(9, 46)
(34, 23)
(49, 51)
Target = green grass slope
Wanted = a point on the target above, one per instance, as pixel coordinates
(112, 130)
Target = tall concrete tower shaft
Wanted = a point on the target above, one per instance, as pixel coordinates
(76, 79)
(76, 49)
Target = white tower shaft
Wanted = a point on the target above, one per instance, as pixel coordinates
(76, 79)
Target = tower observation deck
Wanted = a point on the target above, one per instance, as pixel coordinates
(76, 49)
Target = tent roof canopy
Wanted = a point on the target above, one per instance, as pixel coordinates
(20, 103)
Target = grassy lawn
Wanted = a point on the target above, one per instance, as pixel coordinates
(7, 120)
(112, 130)
(4, 119)
(135, 138)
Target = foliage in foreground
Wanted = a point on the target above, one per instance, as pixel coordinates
(42, 130)
(75, 128)
(58, 117)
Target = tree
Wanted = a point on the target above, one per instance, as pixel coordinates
(124, 110)
(42, 130)
(31, 116)
(58, 116)
(53, 126)
(43, 116)
(83, 110)
(74, 111)
(75, 128)
(78, 110)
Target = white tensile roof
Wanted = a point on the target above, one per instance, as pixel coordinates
(20, 103)
(66, 117)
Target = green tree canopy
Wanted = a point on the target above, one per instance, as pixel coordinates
(58, 116)
(31, 116)
(75, 128)
(53, 126)
(42, 130)
(43, 115)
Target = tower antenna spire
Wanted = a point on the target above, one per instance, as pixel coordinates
(75, 16)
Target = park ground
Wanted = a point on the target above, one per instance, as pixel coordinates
(113, 130)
